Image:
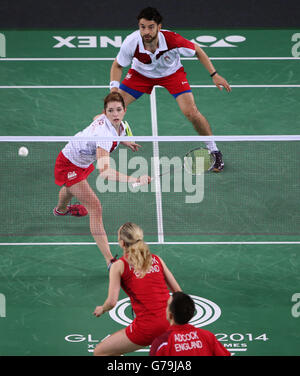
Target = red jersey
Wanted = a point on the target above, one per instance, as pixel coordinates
(148, 295)
(187, 340)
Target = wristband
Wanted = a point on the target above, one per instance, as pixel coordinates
(114, 84)
(215, 72)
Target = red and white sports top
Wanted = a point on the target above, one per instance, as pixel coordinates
(165, 60)
(187, 340)
(148, 295)
(83, 153)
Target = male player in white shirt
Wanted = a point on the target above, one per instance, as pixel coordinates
(154, 55)
(75, 163)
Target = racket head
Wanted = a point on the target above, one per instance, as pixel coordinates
(198, 161)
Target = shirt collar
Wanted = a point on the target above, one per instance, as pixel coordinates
(113, 129)
(162, 44)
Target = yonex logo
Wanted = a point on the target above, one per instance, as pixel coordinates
(116, 41)
(87, 41)
(212, 41)
(2, 45)
(206, 312)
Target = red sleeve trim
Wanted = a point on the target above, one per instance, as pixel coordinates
(175, 40)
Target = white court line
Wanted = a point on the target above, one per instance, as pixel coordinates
(158, 243)
(55, 87)
(160, 228)
(113, 58)
(247, 86)
(106, 86)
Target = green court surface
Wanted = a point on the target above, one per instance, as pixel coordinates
(237, 252)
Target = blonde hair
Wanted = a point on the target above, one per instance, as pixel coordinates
(137, 251)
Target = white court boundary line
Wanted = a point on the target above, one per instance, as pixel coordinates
(159, 243)
(106, 86)
(158, 199)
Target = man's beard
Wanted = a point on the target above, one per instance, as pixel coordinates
(149, 40)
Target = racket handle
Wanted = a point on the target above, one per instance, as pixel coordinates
(139, 184)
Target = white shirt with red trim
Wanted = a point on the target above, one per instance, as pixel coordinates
(83, 153)
(163, 62)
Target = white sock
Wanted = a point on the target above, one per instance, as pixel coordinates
(211, 146)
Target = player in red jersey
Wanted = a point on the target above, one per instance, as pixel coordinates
(146, 280)
(154, 55)
(183, 339)
(75, 163)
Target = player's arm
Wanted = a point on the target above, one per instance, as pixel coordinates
(106, 172)
(116, 71)
(115, 273)
(170, 279)
(204, 59)
(115, 78)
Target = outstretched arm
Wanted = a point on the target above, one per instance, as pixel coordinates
(115, 273)
(170, 279)
(219, 81)
(109, 173)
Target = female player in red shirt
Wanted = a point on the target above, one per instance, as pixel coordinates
(75, 163)
(146, 280)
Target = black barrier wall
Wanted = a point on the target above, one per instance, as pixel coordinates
(87, 14)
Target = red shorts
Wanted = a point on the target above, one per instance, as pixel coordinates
(136, 84)
(68, 174)
(144, 334)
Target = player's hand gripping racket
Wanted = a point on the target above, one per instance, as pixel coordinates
(196, 162)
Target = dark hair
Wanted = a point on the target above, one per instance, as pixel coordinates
(182, 307)
(150, 14)
(114, 97)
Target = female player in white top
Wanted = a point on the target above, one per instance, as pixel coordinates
(75, 162)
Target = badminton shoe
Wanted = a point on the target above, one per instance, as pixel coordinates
(219, 164)
(74, 210)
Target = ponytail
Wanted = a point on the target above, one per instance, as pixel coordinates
(137, 251)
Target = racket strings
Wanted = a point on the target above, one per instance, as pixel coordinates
(198, 160)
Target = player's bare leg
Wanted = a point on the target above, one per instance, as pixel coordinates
(188, 107)
(88, 198)
(116, 345)
(64, 199)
